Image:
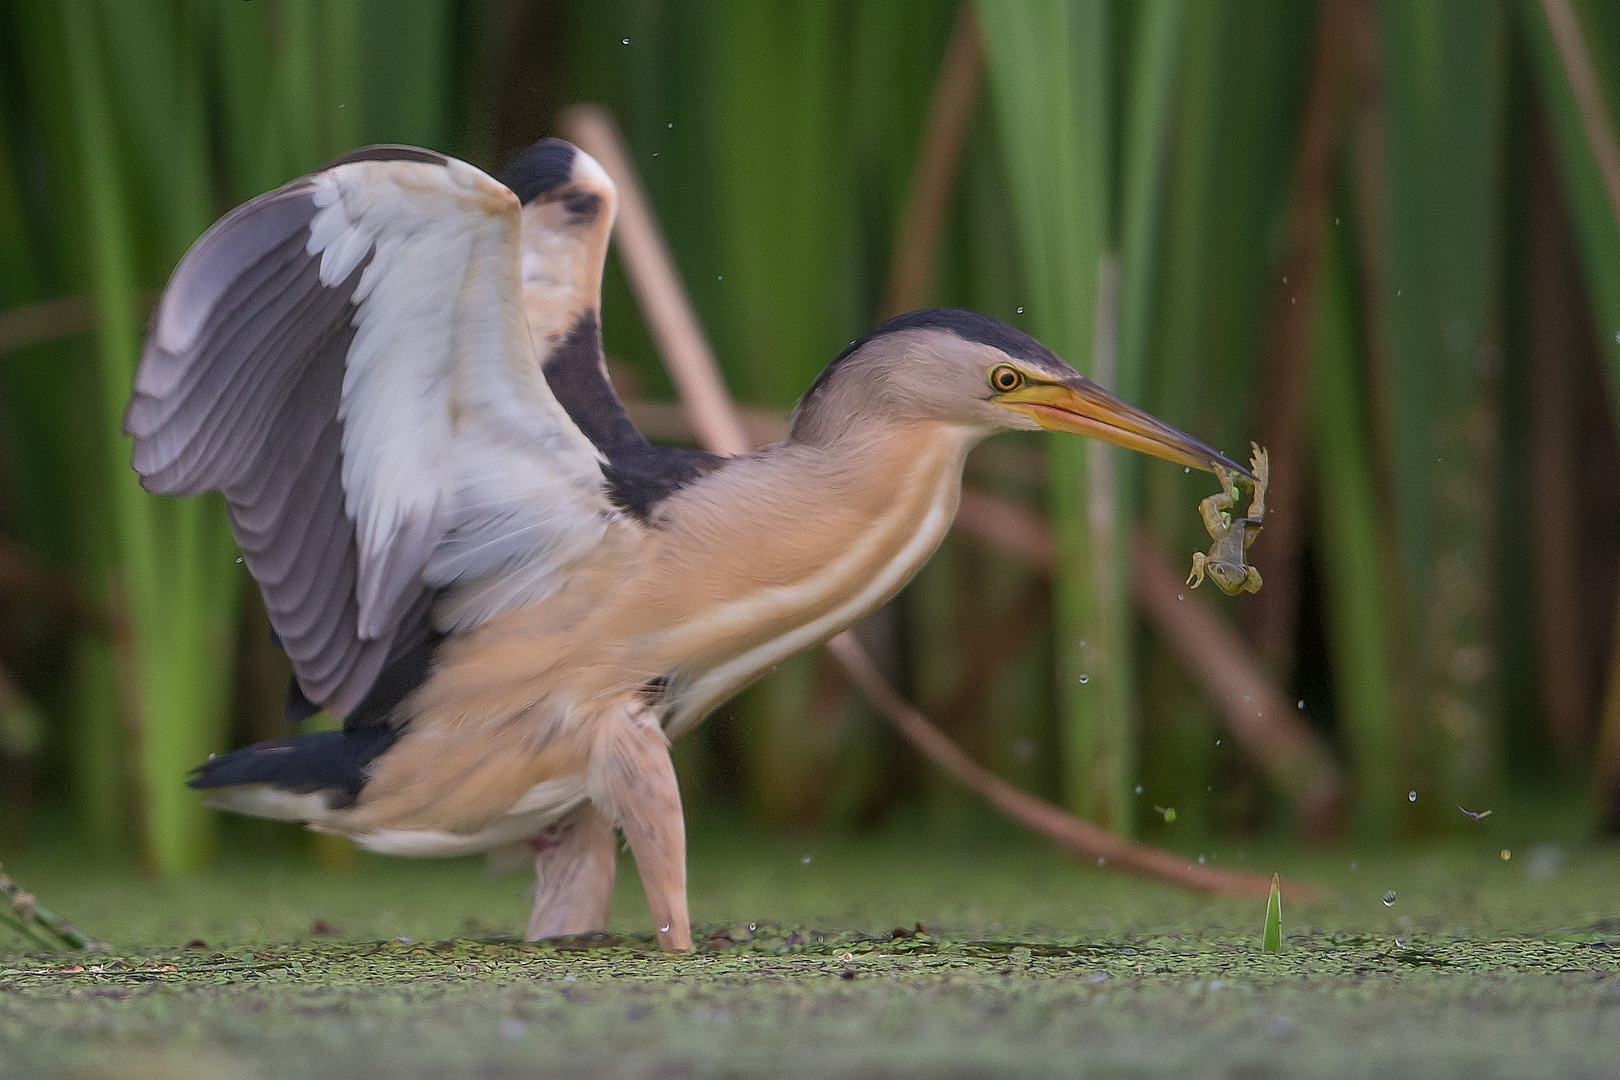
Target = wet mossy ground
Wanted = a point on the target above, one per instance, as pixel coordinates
(811, 964)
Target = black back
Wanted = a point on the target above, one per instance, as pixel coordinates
(640, 474)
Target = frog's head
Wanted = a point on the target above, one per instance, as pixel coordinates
(1230, 577)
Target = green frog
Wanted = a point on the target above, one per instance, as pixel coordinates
(1232, 536)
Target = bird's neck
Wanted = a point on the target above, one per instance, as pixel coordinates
(789, 547)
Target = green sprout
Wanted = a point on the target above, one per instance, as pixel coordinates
(1272, 940)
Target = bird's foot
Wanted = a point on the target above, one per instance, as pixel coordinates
(574, 863)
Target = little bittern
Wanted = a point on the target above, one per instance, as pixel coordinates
(393, 371)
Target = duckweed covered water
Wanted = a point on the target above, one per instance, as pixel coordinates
(892, 956)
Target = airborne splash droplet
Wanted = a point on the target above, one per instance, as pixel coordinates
(1389, 898)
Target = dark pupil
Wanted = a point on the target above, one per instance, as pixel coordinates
(1006, 379)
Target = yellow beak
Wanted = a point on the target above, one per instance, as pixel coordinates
(1080, 406)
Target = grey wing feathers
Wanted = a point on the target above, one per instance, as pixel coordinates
(346, 359)
(238, 390)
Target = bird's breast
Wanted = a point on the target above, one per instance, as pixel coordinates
(790, 570)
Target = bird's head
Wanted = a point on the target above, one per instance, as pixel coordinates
(568, 207)
(976, 372)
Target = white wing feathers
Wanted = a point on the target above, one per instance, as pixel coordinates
(459, 471)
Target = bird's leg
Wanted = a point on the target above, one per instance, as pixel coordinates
(574, 863)
(633, 779)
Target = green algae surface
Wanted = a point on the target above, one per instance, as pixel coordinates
(896, 955)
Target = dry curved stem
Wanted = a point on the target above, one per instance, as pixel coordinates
(54, 319)
(719, 427)
(950, 112)
(658, 289)
(1583, 83)
(1078, 838)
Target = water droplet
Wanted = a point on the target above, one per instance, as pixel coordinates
(1217, 741)
(1335, 221)
(1389, 898)
(1186, 470)
(752, 927)
(1411, 796)
(1101, 861)
(1139, 789)
(1301, 704)
(239, 560)
(1506, 854)
(626, 41)
(1201, 860)
(1020, 311)
(670, 125)
(1181, 596)
(1084, 679)
(664, 929)
(805, 861)
(719, 277)
(1400, 292)
(1354, 866)
(1168, 813)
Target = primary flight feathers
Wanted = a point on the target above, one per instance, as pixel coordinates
(347, 359)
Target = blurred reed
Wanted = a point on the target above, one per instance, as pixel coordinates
(1232, 161)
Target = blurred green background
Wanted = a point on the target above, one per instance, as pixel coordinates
(1378, 237)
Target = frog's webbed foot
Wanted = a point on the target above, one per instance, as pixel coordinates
(1196, 578)
(1251, 581)
(1260, 463)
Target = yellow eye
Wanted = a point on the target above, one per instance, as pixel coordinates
(1005, 378)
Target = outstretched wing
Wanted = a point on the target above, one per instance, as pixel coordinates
(348, 360)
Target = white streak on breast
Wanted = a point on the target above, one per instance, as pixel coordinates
(719, 683)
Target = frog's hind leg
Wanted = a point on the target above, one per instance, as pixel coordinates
(1213, 509)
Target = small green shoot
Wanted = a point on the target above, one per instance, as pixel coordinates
(1272, 940)
(21, 912)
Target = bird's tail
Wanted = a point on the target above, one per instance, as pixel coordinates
(303, 778)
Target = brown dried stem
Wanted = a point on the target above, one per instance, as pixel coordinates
(51, 320)
(657, 288)
(1282, 415)
(1583, 83)
(950, 112)
(1600, 136)
(1078, 838)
